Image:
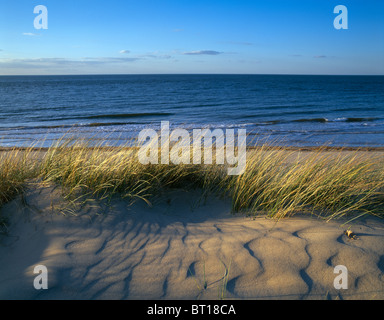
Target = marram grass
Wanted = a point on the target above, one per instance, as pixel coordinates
(332, 184)
(276, 182)
(16, 166)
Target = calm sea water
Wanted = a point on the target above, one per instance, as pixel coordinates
(288, 110)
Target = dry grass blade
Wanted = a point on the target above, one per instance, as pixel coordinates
(276, 181)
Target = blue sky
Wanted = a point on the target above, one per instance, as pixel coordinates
(185, 36)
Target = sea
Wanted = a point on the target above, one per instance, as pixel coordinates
(288, 110)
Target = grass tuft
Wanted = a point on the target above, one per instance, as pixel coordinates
(276, 182)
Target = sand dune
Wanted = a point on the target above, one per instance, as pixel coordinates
(182, 249)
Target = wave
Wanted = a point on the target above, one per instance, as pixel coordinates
(361, 119)
(194, 125)
(323, 120)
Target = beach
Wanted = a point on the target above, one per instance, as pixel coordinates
(184, 245)
(163, 152)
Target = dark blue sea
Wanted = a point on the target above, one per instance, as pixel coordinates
(291, 110)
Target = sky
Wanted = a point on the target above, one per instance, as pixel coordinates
(191, 36)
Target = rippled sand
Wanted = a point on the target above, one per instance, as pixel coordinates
(182, 249)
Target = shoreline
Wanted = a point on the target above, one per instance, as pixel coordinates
(249, 148)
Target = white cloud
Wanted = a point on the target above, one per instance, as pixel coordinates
(202, 52)
(62, 62)
(156, 55)
(124, 51)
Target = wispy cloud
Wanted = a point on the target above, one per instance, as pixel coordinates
(62, 62)
(150, 55)
(202, 52)
(320, 56)
(155, 55)
(30, 34)
(109, 60)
